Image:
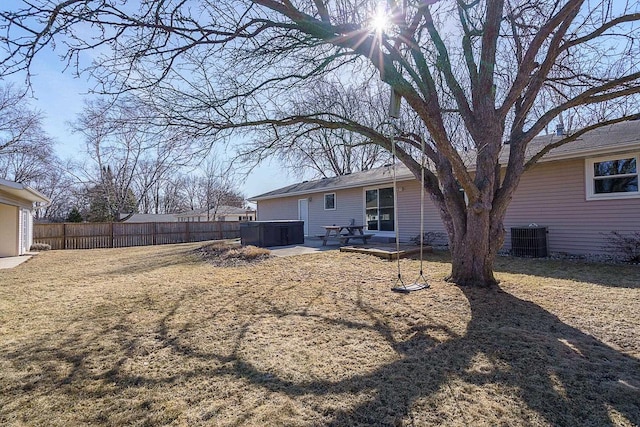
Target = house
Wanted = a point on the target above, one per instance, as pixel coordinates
(17, 202)
(581, 192)
(221, 213)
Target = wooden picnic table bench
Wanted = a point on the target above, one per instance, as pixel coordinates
(335, 232)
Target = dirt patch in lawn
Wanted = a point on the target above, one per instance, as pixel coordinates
(227, 254)
(160, 336)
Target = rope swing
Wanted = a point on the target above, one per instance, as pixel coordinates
(420, 283)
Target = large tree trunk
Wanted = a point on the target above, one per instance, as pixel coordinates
(475, 227)
(473, 252)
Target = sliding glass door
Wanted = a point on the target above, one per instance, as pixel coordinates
(379, 209)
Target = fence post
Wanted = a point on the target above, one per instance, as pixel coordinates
(220, 233)
(153, 234)
(188, 236)
(112, 234)
(64, 235)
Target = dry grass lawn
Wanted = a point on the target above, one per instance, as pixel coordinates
(160, 336)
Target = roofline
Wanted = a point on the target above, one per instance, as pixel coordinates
(549, 157)
(44, 199)
(205, 212)
(403, 177)
(630, 146)
(37, 196)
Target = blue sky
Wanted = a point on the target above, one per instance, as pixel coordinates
(59, 95)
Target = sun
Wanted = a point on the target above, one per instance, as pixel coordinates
(380, 21)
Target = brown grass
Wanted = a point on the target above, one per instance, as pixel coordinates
(159, 336)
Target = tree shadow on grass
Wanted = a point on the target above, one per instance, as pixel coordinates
(604, 274)
(564, 376)
(600, 273)
(151, 262)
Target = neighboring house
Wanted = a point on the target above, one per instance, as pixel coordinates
(222, 213)
(581, 191)
(17, 202)
(150, 217)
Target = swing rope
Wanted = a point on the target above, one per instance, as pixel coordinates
(422, 168)
(421, 282)
(399, 280)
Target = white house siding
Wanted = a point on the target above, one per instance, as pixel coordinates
(553, 195)
(26, 230)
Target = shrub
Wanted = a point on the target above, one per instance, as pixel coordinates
(252, 252)
(227, 255)
(626, 246)
(38, 247)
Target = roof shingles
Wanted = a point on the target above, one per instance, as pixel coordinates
(612, 138)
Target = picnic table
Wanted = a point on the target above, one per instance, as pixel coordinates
(344, 233)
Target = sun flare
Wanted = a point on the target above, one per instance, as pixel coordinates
(380, 21)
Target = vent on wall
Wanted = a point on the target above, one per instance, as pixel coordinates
(529, 241)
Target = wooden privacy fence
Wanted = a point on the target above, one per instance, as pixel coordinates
(124, 234)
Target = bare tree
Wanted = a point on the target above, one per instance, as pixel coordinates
(479, 72)
(26, 151)
(164, 196)
(172, 197)
(322, 151)
(131, 152)
(213, 185)
(28, 162)
(204, 188)
(59, 186)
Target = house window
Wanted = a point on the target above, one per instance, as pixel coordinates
(379, 209)
(330, 201)
(614, 177)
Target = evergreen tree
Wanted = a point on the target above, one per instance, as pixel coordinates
(74, 215)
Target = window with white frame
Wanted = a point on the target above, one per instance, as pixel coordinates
(612, 177)
(330, 201)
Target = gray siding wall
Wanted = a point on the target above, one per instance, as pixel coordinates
(409, 212)
(349, 204)
(552, 194)
(282, 208)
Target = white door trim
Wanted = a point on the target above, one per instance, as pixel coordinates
(303, 214)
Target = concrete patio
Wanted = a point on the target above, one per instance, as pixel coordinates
(13, 261)
(309, 246)
(380, 249)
